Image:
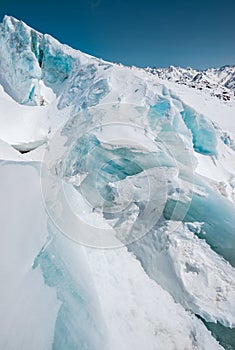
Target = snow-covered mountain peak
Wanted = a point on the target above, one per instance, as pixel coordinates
(220, 82)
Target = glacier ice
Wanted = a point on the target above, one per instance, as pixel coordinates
(203, 133)
(115, 140)
(55, 64)
(21, 82)
(78, 309)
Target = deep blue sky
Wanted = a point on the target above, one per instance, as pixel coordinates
(196, 33)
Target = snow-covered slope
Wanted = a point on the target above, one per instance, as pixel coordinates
(126, 161)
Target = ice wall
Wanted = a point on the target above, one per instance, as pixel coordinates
(19, 68)
(28, 57)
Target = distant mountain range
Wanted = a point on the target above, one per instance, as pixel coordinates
(221, 81)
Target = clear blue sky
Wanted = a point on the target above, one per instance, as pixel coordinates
(196, 33)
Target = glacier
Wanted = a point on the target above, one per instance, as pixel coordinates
(117, 203)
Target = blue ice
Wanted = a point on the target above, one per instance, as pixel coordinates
(203, 133)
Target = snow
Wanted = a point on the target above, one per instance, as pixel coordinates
(24, 298)
(219, 82)
(9, 153)
(139, 313)
(190, 270)
(126, 157)
(211, 107)
(22, 124)
(135, 309)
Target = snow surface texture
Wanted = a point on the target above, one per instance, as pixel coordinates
(147, 160)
